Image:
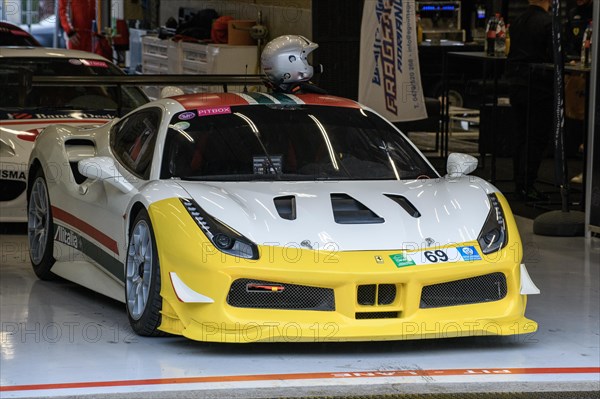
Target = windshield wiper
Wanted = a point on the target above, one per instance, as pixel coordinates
(256, 132)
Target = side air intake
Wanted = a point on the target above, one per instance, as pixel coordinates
(286, 206)
(405, 204)
(347, 210)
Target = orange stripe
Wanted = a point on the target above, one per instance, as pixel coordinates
(86, 228)
(324, 99)
(194, 101)
(305, 376)
(55, 121)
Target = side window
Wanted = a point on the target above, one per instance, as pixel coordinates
(133, 138)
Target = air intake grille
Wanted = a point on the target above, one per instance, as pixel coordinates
(486, 288)
(243, 294)
(376, 315)
(11, 189)
(286, 206)
(405, 204)
(347, 210)
(371, 294)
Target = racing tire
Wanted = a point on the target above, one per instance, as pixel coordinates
(40, 228)
(142, 278)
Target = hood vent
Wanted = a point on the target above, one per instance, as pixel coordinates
(347, 210)
(286, 206)
(405, 204)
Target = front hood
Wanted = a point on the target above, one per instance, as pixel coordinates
(452, 211)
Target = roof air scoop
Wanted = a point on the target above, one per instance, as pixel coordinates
(347, 210)
(405, 204)
(286, 207)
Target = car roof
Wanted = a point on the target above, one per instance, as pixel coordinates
(15, 32)
(206, 100)
(42, 52)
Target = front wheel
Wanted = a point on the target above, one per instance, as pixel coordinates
(40, 228)
(142, 278)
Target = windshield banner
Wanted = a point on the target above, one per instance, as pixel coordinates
(390, 81)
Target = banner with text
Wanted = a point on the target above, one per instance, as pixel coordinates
(389, 78)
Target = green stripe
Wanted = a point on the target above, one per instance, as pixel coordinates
(98, 255)
(259, 98)
(284, 98)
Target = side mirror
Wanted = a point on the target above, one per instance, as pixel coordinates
(104, 169)
(460, 164)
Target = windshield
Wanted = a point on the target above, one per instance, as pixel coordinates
(64, 97)
(287, 143)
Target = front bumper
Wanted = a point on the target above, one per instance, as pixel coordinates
(185, 251)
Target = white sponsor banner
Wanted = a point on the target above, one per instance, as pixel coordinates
(389, 79)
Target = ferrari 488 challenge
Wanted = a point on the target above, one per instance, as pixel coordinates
(244, 217)
(26, 109)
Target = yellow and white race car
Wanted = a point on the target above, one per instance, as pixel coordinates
(245, 217)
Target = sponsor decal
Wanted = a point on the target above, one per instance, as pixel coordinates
(214, 111)
(13, 175)
(94, 63)
(469, 253)
(67, 237)
(187, 116)
(90, 63)
(402, 260)
(54, 115)
(379, 259)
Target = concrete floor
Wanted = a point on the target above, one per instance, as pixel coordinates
(58, 339)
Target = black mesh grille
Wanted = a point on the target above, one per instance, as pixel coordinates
(366, 294)
(245, 294)
(487, 288)
(11, 189)
(386, 294)
(371, 294)
(376, 315)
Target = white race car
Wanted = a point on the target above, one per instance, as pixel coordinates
(25, 110)
(272, 217)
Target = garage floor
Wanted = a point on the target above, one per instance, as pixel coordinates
(58, 339)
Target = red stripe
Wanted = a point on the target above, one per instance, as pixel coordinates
(324, 99)
(306, 376)
(194, 101)
(55, 121)
(86, 228)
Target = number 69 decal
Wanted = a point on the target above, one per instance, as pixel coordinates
(436, 256)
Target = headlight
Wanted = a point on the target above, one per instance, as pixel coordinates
(223, 237)
(493, 235)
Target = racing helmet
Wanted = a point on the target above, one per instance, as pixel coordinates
(284, 60)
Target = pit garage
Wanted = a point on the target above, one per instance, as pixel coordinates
(65, 331)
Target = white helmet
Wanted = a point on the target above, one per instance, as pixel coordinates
(284, 59)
